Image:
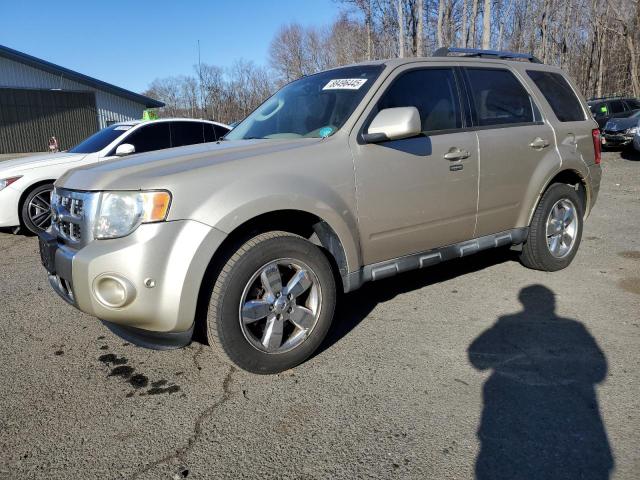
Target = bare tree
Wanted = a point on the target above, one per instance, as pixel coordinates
(599, 47)
(474, 20)
(440, 27)
(486, 25)
(420, 34)
(464, 29)
(400, 28)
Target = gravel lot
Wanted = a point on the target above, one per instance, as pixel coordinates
(469, 369)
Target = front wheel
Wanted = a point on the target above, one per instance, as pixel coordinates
(36, 209)
(555, 230)
(272, 303)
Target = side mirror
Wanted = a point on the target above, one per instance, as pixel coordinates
(394, 124)
(125, 149)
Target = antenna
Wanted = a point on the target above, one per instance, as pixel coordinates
(204, 107)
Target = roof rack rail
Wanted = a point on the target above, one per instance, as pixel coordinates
(610, 97)
(476, 52)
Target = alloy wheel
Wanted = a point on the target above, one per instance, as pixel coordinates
(40, 210)
(280, 305)
(562, 228)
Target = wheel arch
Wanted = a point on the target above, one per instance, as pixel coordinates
(567, 176)
(307, 225)
(300, 222)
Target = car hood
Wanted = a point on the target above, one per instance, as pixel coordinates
(18, 165)
(617, 124)
(162, 168)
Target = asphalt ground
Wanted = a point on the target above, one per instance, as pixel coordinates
(478, 368)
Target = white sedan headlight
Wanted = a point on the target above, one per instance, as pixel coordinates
(5, 182)
(120, 213)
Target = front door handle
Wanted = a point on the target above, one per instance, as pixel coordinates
(456, 153)
(539, 143)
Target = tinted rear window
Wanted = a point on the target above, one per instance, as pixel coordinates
(616, 106)
(559, 94)
(499, 98)
(186, 133)
(632, 103)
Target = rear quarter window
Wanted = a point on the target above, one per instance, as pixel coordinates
(559, 94)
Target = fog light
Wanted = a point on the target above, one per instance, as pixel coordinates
(113, 291)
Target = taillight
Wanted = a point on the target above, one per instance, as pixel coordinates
(597, 146)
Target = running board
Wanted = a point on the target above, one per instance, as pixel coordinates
(389, 268)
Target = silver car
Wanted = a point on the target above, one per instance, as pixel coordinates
(348, 176)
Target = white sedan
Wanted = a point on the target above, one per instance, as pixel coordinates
(26, 183)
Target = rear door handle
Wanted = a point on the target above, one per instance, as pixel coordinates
(456, 153)
(539, 143)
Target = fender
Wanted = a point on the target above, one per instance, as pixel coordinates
(235, 204)
(571, 164)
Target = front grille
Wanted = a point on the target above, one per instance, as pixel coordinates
(72, 216)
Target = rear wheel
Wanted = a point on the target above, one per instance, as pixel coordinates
(555, 231)
(36, 209)
(272, 303)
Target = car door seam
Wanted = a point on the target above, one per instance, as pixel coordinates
(475, 226)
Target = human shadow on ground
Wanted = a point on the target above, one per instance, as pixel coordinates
(540, 416)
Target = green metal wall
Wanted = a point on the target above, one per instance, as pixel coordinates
(29, 117)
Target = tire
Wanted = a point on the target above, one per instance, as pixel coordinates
(33, 212)
(543, 252)
(252, 344)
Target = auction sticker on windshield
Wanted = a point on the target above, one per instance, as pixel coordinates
(345, 84)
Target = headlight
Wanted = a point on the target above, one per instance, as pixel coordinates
(5, 182)
(120, 213)
(633, 130)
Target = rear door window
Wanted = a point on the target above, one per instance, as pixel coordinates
(154, 136)
(632, 103)
(559, 94)
(433, 92)
(499, 98)
(616, 106)
(186, 133)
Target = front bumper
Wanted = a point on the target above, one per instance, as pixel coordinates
(616, 140)
(9, 200)
(162, 265)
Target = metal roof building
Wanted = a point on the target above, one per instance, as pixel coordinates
(39, 99)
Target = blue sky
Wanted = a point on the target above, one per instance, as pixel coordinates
(129, 43)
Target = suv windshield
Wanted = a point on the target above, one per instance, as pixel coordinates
(313, 107)
(101, 139)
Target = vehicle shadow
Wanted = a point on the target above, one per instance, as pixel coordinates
(23, 232)
(354, 307)
(630, 154)
(540, 416)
